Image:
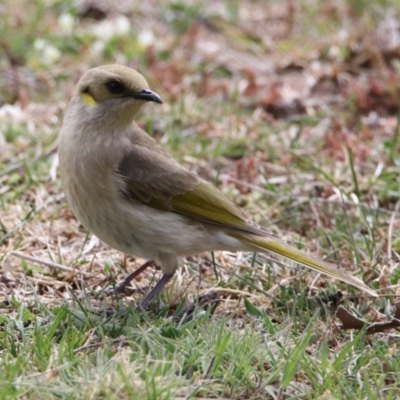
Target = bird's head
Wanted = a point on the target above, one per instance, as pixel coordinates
(114, 91)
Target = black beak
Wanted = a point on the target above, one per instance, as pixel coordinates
(146, 95)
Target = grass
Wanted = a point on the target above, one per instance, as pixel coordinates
(292, 111)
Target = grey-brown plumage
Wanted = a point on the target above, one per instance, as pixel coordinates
(131, 194)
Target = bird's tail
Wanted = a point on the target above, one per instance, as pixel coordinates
(265, 243)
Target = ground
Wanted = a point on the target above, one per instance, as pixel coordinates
(291, 109)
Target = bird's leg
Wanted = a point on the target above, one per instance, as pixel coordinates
(154, 292)
(121, 286)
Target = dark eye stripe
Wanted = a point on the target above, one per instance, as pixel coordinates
(115, 87)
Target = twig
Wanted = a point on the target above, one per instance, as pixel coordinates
(350, 321)
(49, 264)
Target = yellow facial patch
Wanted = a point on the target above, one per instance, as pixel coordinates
(88, 99)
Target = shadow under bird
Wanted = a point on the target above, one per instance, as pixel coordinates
(124, 188)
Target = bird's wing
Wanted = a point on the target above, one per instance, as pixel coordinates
(155, 179)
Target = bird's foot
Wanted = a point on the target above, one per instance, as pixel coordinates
(122, 287)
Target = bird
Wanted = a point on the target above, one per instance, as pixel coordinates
(129, 192)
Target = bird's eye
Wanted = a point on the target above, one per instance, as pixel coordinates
(115, 87)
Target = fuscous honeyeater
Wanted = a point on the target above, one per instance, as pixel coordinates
(132, 195)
